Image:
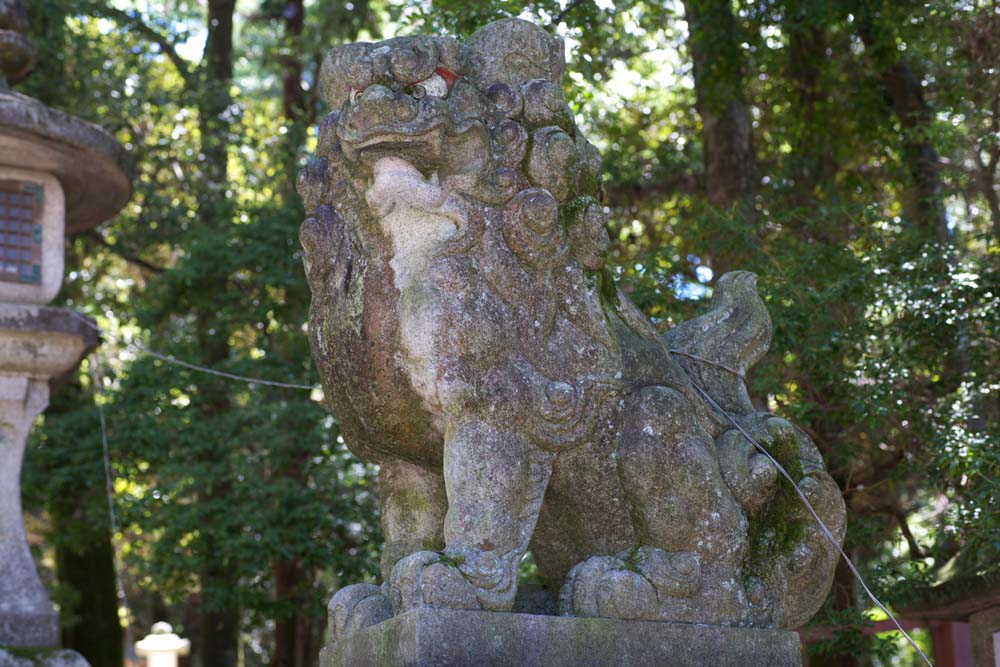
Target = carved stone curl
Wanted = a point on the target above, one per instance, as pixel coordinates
(472, 343)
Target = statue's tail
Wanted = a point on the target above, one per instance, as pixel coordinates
(718, 348)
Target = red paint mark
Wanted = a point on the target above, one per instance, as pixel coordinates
(448, 76)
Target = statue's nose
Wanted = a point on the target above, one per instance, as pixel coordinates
(374, 96)
(378, 104)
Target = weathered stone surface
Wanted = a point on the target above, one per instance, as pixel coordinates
(451, 638)
(472, 343)
(93, 168)
(36, 344)
(31, 657)
(17, 54)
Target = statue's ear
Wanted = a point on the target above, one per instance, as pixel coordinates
(345, 68)
(513, 51)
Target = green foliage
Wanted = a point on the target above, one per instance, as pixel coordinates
(239, 498)
(886, 333)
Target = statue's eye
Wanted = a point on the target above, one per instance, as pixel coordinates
(439, 83)
(434, 86)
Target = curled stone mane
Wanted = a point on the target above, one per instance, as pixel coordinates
(527, 132)
(501, 139)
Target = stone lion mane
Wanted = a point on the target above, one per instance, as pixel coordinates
(529, 215)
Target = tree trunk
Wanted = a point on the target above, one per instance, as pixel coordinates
(214, 104)
(219, 622)
(218, 629)
(813, 164)
(294, 102)
(297, 635)
(906, 96)
(987, 183)
(986, 171)
(86, 565)
(727, 133)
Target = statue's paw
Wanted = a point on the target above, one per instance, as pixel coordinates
(644, 584)
(604, 586)
(676, 574)
(749, 474)
(355, 607)
(430, 579)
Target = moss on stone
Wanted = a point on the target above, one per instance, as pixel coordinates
(452, 561)
(571, 212)
(608, 290)
(775, 530)
(36, 654)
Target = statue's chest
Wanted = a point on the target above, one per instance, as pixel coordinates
(424, 309)
(416, 236)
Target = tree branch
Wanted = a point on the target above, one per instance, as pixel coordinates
(915, 550)
(133, 21)
(562, 15)
(681, 183)
(131, 259)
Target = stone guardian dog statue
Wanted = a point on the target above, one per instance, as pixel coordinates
(472, 344)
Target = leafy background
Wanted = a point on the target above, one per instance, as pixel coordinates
(846, 151)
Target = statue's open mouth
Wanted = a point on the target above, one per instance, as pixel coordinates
(428, 146)
(423, 148)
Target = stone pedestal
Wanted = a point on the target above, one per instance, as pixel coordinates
(451, 638)
(40, 658)
(36, 345)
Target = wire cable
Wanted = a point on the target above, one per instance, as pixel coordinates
(195, 367)
(110, 487)
(289, 385)
(802, 496)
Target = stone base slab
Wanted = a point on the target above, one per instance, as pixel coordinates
(40, 657)
(24, 628)
(447, 638)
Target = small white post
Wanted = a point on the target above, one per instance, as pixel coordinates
(161, 646)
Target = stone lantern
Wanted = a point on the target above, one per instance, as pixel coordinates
(58, 175)
(161, 647)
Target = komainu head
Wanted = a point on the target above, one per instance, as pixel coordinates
(488, 116)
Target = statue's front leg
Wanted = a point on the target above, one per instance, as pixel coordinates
(495, 480)
(413, 508)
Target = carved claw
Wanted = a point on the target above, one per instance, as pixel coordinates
(603, 586)
(426, 579)
(675, 574)
(646, 584)
(355, 607)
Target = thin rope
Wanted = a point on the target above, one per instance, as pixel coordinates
(826, 531)
(703, 360)
(212, 371)
(110, 486)
(195, 367)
